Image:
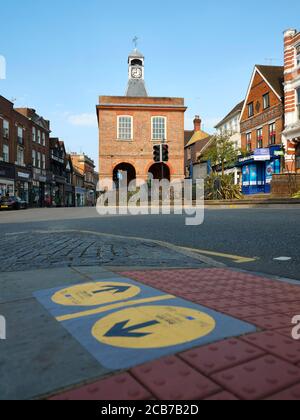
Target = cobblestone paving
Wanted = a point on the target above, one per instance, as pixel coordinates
(50, 250)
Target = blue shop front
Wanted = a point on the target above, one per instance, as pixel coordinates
(259, 168)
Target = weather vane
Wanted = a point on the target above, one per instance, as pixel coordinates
(135, 41)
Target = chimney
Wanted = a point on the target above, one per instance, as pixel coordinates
(197, 123)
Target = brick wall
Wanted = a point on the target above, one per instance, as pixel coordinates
(262, 118)
(139, 151)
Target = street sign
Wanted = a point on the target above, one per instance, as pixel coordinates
(153, 327)
(93, 294)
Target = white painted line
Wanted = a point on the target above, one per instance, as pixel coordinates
(282, 259)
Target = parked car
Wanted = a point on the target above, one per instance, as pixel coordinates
(12, 203)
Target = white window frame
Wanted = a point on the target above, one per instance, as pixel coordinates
(38, 158)
(34, 134)
(152, 128)
(6, 128)
(43, 161)
(5, 154)
(20, 156)
(118, 127)
(297, 59)
(39, 136)
(34, 158)
(43, 139)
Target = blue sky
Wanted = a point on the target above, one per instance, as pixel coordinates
(61, 55)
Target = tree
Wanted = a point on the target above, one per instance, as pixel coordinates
(222, 151)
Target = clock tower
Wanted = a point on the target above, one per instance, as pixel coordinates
(136, 84)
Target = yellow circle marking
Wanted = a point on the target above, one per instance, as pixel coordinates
(153, 327)
(93, 294)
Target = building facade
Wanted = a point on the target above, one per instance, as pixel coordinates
(86, 167)
(262, 123)
(230, 126)
(197, 142)
(24, 153)
(39, 132)
(130, 126)
(291, 134)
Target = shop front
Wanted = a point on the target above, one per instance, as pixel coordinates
(80, 194)
(23, 183)
(259, 168)
(7, 179)
(69, 196)
(40, 188)
(58, 191)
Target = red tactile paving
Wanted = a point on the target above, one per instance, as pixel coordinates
(276, 344)
(291, 308)
(259, 379)
(172, 379)
(291, 394)
(220, 356)
(222, 396)
(287, 332)
(270, 322)
(243, 312)
(120, 387)
(219, 305)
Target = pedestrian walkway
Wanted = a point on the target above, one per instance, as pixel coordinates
(170, 334)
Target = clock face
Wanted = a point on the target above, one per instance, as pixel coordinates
(136, 73)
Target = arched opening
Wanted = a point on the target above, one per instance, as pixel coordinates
(160, 171)
(122, 171)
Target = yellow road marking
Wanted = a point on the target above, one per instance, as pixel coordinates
(114, 306)
(236, 258)
(153, 327)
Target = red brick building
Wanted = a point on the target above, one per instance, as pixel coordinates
(24, 151)
(86, 167)
(291, 134)
(130, 126)
(262, 122)
(39, 131)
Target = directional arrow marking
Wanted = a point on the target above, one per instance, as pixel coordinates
(117, 289)
(120, 330)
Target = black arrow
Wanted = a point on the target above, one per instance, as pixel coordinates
(117, 289)
(120, 330)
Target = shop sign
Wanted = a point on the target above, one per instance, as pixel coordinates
(262, 154)
(23, 175)
(279, 153)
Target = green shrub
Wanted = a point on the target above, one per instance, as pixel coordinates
(219, 187)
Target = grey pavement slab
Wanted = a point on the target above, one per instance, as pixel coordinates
(21, 285)
(39, 355)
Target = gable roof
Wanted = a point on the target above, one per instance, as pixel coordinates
(197, 136)
(237, 109)
(187, 136)
(273, 76)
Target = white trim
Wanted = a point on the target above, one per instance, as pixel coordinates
(118, 127)
(166, 127)
(249, 90)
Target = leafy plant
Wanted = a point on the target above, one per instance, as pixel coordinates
(297, 195)
(222, 151)
(221, 188)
